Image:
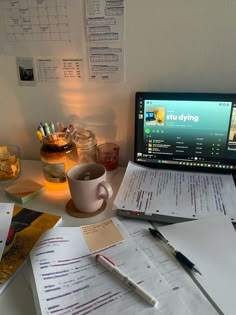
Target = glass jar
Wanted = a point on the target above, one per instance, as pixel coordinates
(86, 144)
(10, 162)
(58, 153)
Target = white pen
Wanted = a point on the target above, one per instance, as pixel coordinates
(110, 265)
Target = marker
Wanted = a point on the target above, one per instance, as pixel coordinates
(110, 265)
(39, 135)
(71, 127)
(61, 127)
(40, 128)
(52, 127)
(47, 129)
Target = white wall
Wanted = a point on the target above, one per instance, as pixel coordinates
(170, 45)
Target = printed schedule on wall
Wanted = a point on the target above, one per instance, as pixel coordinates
(105, 35)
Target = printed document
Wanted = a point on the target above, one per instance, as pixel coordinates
(70, 281)
(190, 195)
(211, 244)
(105, 20)
(169, 267)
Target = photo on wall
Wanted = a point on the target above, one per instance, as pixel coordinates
(25, 71)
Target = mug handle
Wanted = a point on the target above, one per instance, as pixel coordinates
(107, 190)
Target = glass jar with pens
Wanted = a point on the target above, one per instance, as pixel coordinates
(58, 153)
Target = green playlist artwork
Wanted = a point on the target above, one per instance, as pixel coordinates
(193, 116)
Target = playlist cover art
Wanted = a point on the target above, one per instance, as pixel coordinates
(155, 116)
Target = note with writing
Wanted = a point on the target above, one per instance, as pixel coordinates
(101, 235)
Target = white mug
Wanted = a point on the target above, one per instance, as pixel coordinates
(88, 186)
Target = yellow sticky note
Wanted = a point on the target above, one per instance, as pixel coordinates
(101, 235)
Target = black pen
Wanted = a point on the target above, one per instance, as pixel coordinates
(179, 256)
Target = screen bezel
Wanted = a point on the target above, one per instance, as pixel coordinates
(178, 96)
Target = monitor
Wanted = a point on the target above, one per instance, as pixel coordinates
(190, 131)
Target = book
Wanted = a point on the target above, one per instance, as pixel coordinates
(26, 227)
(24, 190)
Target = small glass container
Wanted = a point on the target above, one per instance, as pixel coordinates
(58, 153)
(108, 155)
(86, 144)
(10, 166)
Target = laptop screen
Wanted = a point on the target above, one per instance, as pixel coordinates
(190, 131)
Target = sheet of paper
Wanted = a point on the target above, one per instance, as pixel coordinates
(211, 244)
(42, 28)
(105, 36)
(169, 268)
(55, 69)
(105, 20)
(106, 62)
(6, 210)
(176, 193)
(70, 281)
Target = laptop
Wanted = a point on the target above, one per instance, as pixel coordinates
(193, 132)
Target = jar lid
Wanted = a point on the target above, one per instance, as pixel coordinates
(84, 139)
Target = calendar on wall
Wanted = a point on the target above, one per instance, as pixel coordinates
(36, 20)
(42, 27)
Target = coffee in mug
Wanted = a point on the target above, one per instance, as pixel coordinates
(88, 186)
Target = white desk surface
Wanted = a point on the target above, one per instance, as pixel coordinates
(17, 299)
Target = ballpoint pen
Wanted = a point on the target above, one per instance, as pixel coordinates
(179, 256)
(110, 265)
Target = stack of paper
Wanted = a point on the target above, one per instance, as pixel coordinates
(174, 196)
(69, 279)
(24, 190)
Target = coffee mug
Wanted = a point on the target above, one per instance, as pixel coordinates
(88, 186)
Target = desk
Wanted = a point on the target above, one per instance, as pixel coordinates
(17, 299)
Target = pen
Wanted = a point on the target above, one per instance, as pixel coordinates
(39, 135)
(40, 128)
(110, 265)
(179, 256)
(47, 129)
(52, 127)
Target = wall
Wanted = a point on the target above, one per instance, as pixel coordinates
(170, 45)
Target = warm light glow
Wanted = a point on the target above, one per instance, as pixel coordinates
(49, 186)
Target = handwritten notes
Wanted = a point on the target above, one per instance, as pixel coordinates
(101, 235)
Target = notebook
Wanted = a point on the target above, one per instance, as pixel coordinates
(187, 132)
